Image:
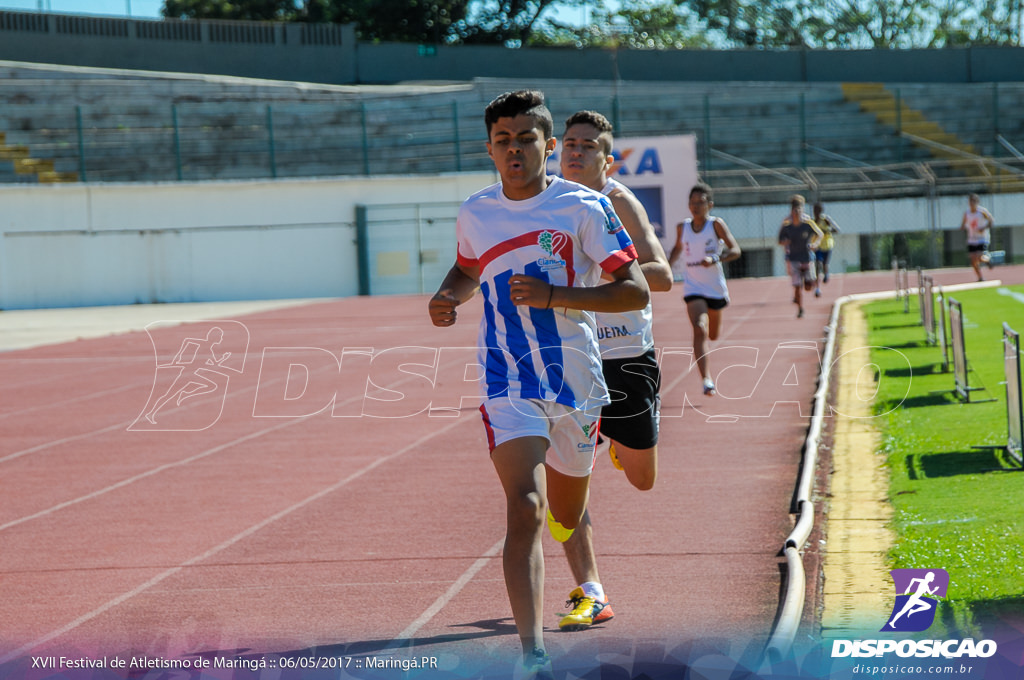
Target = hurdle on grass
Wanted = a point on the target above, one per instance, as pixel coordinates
(928, 308)
(1014, 403)
(956, 332)
(905, 287)
(943, 338)
(920, 293)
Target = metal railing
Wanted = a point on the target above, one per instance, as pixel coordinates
(762, 147)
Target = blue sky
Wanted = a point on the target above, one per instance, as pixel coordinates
(143, 9)
(150, 9)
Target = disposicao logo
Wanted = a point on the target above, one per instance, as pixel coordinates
(913, 612)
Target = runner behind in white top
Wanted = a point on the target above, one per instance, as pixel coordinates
(700, 241)
(978, 223)
(630, 423)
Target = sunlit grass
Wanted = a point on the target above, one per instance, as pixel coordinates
(958, 499)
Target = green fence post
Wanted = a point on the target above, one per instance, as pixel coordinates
(363, 249)
(366, 140)
(707, 133)
(995, 119)
(177, 140)
(270, 139)
(455, 128)
(803, 130)
(899, 126)
(81, 144)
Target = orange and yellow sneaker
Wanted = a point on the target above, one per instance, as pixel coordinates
(586, 611)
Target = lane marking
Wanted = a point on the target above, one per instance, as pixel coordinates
(164, 575)
(450, 594)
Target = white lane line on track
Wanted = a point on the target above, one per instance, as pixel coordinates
(164, 575)
(148, 473)
(72, 400)
(449, 595)
(161, 468)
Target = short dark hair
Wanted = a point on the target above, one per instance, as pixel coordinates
(520, 102)
(604, 126)
(702, 188)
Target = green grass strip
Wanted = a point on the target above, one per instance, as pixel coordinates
(957, 504)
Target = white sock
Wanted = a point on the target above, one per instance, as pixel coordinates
(594, 590)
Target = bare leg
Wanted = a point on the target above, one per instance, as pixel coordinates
(640, 465)
(579, 552)
(697, 310)
(520, 467)
(976, 264)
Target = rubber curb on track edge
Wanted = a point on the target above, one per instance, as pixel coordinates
(792, 605)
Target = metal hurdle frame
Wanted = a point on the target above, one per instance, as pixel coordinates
(960, 367)
(942, 336)
(928, 309)
(905, 288)
(1014, 399)
(956, 332)
(920, 293)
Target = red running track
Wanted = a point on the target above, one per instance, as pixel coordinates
(328, 512)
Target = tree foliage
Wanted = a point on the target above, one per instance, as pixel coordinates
(648, 24)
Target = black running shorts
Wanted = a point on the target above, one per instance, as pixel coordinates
(632, 417)
(713, 303)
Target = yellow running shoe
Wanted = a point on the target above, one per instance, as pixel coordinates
(586, 611)
(614, 456)
(558, 532)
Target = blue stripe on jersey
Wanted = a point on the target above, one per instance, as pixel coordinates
(613, 225)
(495, 368)
(550, 342)
(515, 337)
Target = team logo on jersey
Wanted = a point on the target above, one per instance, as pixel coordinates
(590, 430)
(552, 243)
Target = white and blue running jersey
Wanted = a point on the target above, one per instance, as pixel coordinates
(565, 235)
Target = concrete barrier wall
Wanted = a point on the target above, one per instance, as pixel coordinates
(103, 244)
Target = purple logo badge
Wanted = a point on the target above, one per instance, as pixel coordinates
(914, 610)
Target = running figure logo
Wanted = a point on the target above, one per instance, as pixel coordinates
(205, 356)
(913, 610)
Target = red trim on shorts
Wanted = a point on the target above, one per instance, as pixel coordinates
(488, 428)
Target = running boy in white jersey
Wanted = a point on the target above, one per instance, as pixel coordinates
(630, 422)
(700, 241)
(978, 223)
(535, 247)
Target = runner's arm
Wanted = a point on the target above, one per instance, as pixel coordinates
(650, 254)
(626, 291)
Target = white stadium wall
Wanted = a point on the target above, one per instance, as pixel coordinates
(76, 245)
(103, 244)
